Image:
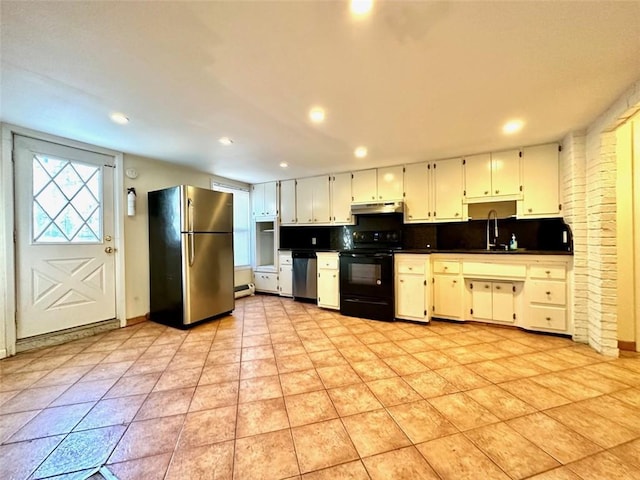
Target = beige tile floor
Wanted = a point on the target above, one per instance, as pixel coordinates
(286, 390)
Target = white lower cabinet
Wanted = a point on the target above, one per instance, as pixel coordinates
(448, 290)
(285, 283)
(328, 280)
(412, 292)
(492, 301)
(528, 291)
(266, 282)
(546, 293)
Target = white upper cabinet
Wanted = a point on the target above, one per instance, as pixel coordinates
(540, 182)
(505, 174)
(447, 195)
(477, 176)
(377, 185)
(264, 199)
(390, 183)
(321, 203)
(492, 176)
(287, 202)
(364, 186)
(304, 200)
(341, 198)
(312, 200)
(417, 193)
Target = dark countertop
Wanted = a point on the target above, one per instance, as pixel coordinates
(322, 250)
(520, 251)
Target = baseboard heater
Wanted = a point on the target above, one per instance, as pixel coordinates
(245, 290)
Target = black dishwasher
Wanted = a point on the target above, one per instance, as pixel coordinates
(305, 275)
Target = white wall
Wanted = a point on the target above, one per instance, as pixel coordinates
(6, 243)
(152, 175)
(628, 222)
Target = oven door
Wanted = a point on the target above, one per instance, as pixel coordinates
(366, 285)
(366, 274)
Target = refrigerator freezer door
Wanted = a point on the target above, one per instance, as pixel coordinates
(205, 210)
(207, 275)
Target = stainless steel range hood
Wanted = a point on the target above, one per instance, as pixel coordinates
(377, 207)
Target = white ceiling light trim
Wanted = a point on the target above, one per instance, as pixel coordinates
(226, 141)
(317, 114)
(512, 126)
(119, 118)
(284, 164)
(361, 8)
(360, 152)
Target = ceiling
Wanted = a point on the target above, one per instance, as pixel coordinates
(413, 81)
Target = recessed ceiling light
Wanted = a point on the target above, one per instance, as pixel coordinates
(226, 141)
(512, 126)
(119, 118)
(317, 114)
(284, 164)
(360, 152)
(361, 7)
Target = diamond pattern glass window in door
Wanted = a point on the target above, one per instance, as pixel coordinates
(66, 201)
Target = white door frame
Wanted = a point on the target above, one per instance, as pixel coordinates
(7, 227)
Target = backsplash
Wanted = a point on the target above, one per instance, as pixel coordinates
(541, 234)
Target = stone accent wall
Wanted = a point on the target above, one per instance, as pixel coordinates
(601, 242)
(573, 186)
(588, 182)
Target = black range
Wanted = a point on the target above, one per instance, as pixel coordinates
(366, 275)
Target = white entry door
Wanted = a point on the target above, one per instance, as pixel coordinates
(64, 237)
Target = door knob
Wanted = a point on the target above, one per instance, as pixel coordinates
(107, 238)
(109, 249)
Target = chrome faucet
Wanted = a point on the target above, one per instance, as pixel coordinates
(495, 228)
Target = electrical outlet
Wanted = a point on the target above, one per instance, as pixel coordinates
(313, 240)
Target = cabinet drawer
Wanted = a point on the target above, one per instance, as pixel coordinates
(411, 267)
(552, 272)
(553, 293)
(548, 318)
(285, 259)
(444, 266)
(328, 263)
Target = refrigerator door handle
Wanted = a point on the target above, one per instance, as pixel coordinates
(191, 239)
(190, 215)
(192, 248)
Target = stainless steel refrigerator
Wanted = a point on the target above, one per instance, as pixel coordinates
(190, 254)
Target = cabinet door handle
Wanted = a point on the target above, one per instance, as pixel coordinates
(548, 293)
(547, 272)
(497, 287)
(486, 286)
(455, 281)
(401, 281)
(497, 192)
(457, 214)
(486, 192)
(529, 210)
(548, 319)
